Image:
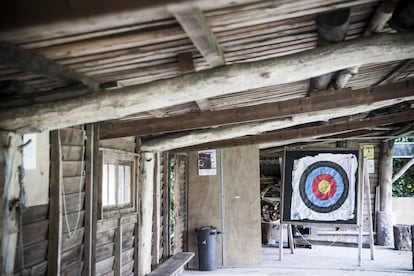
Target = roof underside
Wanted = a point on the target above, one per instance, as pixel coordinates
(128, 48)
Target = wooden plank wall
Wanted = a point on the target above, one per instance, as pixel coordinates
(35, 222)
(72, 247)
(116, 237)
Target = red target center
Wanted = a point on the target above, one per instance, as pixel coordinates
(324, 186)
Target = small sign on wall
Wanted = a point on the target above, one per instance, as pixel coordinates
(369, 155)
(207, 162)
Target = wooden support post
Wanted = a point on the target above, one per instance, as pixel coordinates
(280, 241)
(157, 212)
(55, 206)
(412, 243)
(146, 209)
(166, 207)
(89, 173)
(9, 161)
(370, 222)
(384, 220)
(118, 248)
(290, 238)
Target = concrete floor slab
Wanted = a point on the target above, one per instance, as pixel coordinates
(323, 260)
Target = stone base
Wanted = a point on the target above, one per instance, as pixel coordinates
(385, 235)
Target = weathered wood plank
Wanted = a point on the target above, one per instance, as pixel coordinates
(105, 266)
(35, 232)
(33, 254)
(55, 209)
(208, 83)
(76, 241)
(127, 268)
(36, 270)
(105, 237)
(105, 251)
(72, 218)
(72, 257)
(72, 202)
(35, 214)
(320, 101)
(74, 270)
(71, 184)
(119, 144)
(173, 264)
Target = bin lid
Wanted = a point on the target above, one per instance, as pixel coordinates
(205, 228)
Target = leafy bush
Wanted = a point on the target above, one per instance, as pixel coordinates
(404, 186)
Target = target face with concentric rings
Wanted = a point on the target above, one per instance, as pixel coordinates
(324, 186)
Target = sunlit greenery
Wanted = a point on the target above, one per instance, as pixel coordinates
(404, 186)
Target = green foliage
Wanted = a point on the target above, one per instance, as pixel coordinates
(404, 186)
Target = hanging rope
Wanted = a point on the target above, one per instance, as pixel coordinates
(82, 172)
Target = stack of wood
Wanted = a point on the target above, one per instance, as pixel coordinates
(270, 198)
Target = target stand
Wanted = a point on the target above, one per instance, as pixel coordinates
(326, 187)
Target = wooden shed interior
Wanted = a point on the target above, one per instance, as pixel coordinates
(134, 89)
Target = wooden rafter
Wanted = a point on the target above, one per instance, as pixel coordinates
(317, 102)
(195, 25)
(210, 83)
(382, 14)
(27, 61)
(284, 137)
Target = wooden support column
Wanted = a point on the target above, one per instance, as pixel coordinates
(55, 206)
(157, 212)
(384, 216)
(118, 248)
(166, 208)
(10, 159)
(91, 199)
(332, 28)
(146, 209)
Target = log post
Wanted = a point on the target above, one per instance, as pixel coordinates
(384, 216)
(145, 213)
(10, 158)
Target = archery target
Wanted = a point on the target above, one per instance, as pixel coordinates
(324, 186)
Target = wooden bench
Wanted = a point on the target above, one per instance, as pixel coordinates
(174, 265)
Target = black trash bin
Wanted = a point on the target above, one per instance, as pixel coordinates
(207, 247)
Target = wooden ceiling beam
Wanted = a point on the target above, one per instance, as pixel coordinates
(186, 63)
(382, 14)
(179, 140)
(285, 137)
(25, 60)
(317, 102)
(195, 25)
(332, 27)
(206, 84)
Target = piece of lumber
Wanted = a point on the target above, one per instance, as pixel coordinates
(382, 14)
(179, 140)
(196, 26)
(173, 265)
(27, 61)
(186, 64)
(332, 27)
(317, 102)
(55, 209)
(210, 83)
(285, 137)
(401, 172)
